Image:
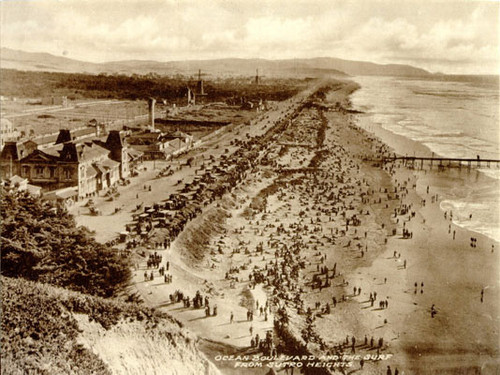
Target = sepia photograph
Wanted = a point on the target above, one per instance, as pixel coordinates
(264, 187)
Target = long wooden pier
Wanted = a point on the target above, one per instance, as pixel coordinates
(441, 162)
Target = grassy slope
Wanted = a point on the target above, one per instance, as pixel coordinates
(49, 330)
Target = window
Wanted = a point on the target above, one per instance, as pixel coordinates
(67, 173)
(52, 172)
(26, 171)
(39, 171)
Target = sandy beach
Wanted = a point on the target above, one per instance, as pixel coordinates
(314, 233)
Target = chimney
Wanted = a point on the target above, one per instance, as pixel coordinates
(151, 107)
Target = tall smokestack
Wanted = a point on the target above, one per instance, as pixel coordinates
(151, 107)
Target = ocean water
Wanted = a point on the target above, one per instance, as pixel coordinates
(458, 118)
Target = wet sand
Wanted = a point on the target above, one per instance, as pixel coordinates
(463, 337)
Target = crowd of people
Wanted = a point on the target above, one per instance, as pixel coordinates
(304, 233)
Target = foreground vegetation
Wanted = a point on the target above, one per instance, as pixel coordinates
(76, 325)
(40, 332)
(120, 86)
(41, 242)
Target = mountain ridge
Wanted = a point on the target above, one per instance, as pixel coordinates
(43, 61)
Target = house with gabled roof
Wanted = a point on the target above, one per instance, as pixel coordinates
(90, 166)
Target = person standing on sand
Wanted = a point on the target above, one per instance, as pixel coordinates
(433, 311)
(231, 319)
(389, 371)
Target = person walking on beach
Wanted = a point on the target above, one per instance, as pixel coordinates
(389, 371)
(231, 319)
(482, 295)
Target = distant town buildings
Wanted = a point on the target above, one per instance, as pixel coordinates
(156, 145)
(74, 164)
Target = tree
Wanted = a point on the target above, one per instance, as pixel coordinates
(41, 242)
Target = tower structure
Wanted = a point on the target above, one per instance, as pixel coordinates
(199, 85)
(151, 112)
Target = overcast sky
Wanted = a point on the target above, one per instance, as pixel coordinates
(449, 36)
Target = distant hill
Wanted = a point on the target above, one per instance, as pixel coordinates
(20, 60)
(39, 61)
(365, 68)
